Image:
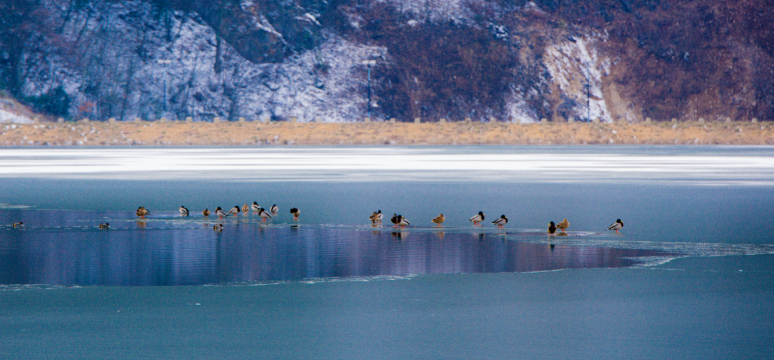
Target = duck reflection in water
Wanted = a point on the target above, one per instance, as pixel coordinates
(440, 235)
(399, 235)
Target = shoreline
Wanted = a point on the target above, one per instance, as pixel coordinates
(99, 134)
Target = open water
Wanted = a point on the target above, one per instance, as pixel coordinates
(690, 274)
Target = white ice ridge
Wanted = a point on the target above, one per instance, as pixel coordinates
(311, 281)
(11, 207)
(673, 250)
(382, 164)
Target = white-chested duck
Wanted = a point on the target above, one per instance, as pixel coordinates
(403, 221)
(501, 221)
(234, 211)
(477, 219)
(264, 214)
(617, 225)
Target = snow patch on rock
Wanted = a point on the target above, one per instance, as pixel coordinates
(9, 117)
(434, 10)
(577, 69)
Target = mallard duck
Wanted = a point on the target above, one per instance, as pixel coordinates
(206, 212)
(501, 221)
(394, 219)
(142, 212)
(617, 225)
(245, 208)
(403, 221)
(264, 214)
(478, 218)
(217, 227)
(295, 213)
(551, 228)
(220, 213)
(376, 217)
(234, 211)
(274, 209)
(183, 211)
(563, 225)
(104, 226)
(439, 219)
(255, 207)
(18, 224)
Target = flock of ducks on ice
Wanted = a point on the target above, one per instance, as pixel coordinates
(376, 217)
(142, 212)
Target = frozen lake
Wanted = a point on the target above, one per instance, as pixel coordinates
(674, 283)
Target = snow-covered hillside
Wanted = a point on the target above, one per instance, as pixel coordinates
(516, 61)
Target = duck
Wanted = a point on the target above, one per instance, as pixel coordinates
(234, 211)
(264, 214)
(295, 213)
(245, 208)
(376, 217)
(403, 221)
(206, 212)
(18, 224)
(478, 218)
(501, 221)
(395, 219)
(255, 207)
(217, 227)
(274, 209)
(220, 213)
(439, 219)
(142, 212)
(617, 225)
(563, 225)
(183, 211)
(104, 226)
(551, 228)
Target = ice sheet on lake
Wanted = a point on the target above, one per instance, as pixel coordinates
(676, 249)
(710, 166)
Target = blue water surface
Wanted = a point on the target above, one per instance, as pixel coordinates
(690, 274)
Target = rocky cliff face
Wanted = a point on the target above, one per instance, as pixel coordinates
(515, 61)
